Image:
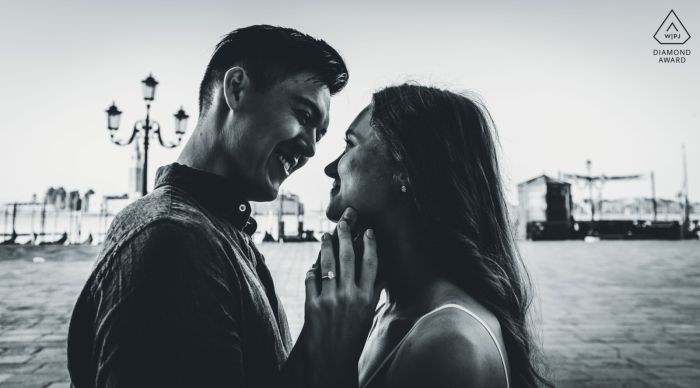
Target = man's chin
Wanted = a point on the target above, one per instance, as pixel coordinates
(264, 193)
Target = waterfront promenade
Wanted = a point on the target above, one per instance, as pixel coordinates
(613, 313)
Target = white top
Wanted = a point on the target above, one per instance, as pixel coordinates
(493, 337)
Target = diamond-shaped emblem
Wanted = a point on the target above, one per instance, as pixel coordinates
(672, 31)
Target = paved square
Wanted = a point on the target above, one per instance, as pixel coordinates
(612, 314)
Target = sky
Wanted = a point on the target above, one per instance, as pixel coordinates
(564, 81)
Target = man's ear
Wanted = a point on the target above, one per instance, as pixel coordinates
(236, 84)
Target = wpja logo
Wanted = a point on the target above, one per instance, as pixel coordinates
(672, 31)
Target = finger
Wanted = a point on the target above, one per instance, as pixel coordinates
(350, 216)
(346, 256)
(317, 269)
(327, 264)
(310, 283)
(369, 262)
(358, 246)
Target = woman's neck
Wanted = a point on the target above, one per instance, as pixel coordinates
(414, 284)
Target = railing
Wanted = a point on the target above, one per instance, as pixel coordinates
(34, 223)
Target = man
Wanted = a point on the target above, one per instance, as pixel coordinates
(179, 295)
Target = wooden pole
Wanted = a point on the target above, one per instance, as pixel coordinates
(280, 221)
(4, 225)
(653, 194)
(33, 213)
(590, 190)
(14, 217)
(686, 204)
(680, 196)
(43, 219)
(106, 222)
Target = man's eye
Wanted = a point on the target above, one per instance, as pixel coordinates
(303, 117)
(319, 136)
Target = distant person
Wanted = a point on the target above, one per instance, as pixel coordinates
(421, 169)
(179, 295)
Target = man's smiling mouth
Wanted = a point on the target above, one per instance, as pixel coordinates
(288, 162)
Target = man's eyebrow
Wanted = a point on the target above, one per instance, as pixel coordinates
(309, 104)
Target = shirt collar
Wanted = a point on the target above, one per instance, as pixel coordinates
(218, 194)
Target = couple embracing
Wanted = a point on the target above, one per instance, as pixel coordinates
(181, 297)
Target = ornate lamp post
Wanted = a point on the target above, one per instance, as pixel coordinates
(146, 126)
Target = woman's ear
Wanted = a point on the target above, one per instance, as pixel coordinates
(403, 181)
(236, 86)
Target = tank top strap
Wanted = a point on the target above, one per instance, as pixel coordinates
(493, 337)
(390, 356)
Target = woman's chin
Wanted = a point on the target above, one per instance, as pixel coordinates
(334, 211)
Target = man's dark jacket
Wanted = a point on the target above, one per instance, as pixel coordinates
(179, 295)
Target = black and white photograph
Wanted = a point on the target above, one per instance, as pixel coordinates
(353, 194)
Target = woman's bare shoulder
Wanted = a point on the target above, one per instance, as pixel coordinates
(447, 348)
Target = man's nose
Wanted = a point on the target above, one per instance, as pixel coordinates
(307, 142)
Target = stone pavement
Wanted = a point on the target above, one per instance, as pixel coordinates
(619, 313)
(613, 314)
(36, 300)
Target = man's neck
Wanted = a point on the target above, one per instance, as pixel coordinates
(203, 151)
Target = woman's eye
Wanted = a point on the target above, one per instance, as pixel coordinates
(348, 143)
(319, 136)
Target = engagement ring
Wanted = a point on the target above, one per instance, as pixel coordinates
(330, 275)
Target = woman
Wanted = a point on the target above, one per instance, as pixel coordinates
(421, 170)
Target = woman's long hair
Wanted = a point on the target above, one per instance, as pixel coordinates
(444, 146)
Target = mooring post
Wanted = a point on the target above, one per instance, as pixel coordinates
(653, 194)
(14, 217)
(4, 225)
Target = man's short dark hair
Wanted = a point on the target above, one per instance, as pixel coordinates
(270, 55)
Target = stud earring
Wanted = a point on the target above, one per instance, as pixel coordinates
(403, 188)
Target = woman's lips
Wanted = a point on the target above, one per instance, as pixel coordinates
(335, 187)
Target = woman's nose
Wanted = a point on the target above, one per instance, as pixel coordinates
(331, 169)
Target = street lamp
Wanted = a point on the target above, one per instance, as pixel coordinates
(113, 115)
(149, 88)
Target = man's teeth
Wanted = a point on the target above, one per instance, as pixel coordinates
(285, 163)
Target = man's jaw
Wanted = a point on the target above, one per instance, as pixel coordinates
(279, 166)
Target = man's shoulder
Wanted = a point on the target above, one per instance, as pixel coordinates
(163, 248)
(163, 211)
(164, 203)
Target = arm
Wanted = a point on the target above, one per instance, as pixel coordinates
(338, 312)
(166, 315)
(295, 371)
